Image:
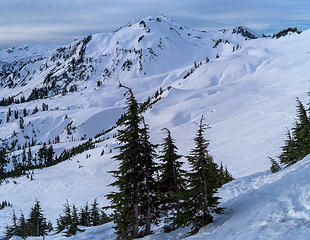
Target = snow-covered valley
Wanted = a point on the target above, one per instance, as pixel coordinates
(246, 89)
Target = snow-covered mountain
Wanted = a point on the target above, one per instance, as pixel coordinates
(245, 85)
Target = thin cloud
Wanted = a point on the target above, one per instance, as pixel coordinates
(61, 20)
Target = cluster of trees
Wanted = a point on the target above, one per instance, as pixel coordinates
(5, 204)
(43, 158)
(71, 219)
(149, 193)
(24, 112)
(3, 163)
(297, 142)
(34, 225)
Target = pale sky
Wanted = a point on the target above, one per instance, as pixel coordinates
(25, 22)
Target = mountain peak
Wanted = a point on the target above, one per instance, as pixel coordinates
(246, 32)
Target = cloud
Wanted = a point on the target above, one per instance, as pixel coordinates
(32, 21)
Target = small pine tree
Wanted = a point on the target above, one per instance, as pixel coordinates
(203, 178)
(297, 143)
(289, 153)
(11, 230)
(274, 165)
(3, 163)
(21, 123)
(84, 215)
(22, 229)
(149, 199)
(94, 214)
(36, 222)
(171, 183)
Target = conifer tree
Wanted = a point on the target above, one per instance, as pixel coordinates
(104, 217)
(22, 229)
(125, 202)
(274, 166)
(301, 131)
(3, 163)
(94, 214)
(171, 183)
(149, 200)
(11, 230)
(85, 216)
(203, 178)
(36, 222)
(289, 153)
(29, 156)
(297, 144)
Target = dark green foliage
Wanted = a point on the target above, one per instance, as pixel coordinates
(171, 183)
(199, 200)
(289, 154)
(274, 165)
(297, 143)
(22, 228)
(149, 200)
(3, 163)
(133, 203)
(36, 222)
(5, 204)
(48, 153)
(224, 176)
(125, 202)
(94, 214)
(85, 216)
(35, 225)
(11, 230)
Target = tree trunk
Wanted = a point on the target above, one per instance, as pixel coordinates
(136, 223)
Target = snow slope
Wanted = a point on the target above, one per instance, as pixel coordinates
(261, 206)
(247, 96)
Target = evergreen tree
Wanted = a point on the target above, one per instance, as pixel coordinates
(297, 144)
(24, 157)
(301, 131)
(289, 153)
(29, 154)
(129, 178)
(22, 229)
(11, 230)
(104, 217)
(64, 221)
(3, 163)
(42, 154)
(49, 226)
(149, 199)
(94, 214)
(21, 123)
(25, 112)
(171, 183)
(36, 222)
(274, 166)
(224, 176)
(85, 216)
(203, 178)
(49, 154)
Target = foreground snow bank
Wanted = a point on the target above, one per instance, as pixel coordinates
(265, 206)
(261, 206)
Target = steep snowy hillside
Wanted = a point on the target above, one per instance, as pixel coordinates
(243, 84)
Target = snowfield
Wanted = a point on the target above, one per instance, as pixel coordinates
(247, 96)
